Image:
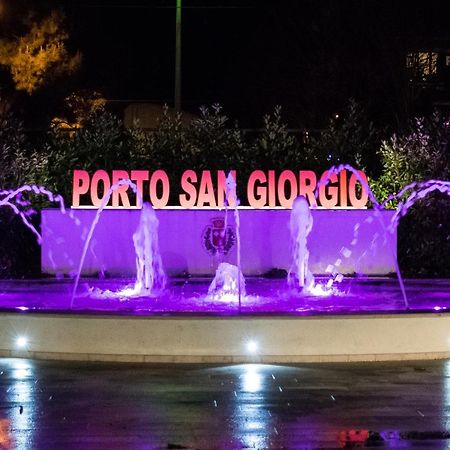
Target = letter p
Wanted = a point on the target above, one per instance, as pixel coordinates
(81, 184)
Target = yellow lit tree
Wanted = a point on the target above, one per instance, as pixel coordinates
(81, 106)
(40, 55)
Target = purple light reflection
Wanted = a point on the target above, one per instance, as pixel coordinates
(189, 297)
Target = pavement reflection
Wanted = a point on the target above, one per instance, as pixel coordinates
(68, 405)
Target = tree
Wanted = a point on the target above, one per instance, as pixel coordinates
(275, 147)
(19, 163)
(101, 143)
(40, 55)
(421, 153)
(351, 139)
(211, 143)
(81, 106)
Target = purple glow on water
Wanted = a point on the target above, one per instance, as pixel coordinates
(186, 297)
(263, 296)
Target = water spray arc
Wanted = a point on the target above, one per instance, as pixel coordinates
(105, 201)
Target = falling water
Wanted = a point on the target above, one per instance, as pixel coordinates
(415, 191)
(419, 190)
(228, 281)
(229, 277)
(377, 207)
(231, 190)
(300, 225)
(15, 195)
(150, 274)
(104, 202)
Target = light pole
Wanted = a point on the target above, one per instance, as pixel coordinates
(177, 101)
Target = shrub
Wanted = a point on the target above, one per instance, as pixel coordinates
(276, 148)
(103, 143)
(212, 144)
(164, 147)
(350, 139)
(20, 165)
(420, 154)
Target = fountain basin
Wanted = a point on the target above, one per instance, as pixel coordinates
(369, 322)
(358, 319)
(190, 297)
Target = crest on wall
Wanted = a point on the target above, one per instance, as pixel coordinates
(216, 239)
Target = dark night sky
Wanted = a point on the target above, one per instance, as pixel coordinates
(309, 56)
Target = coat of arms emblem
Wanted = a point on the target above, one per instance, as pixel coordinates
(216, 239)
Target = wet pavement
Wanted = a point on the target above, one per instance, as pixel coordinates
(71, 405)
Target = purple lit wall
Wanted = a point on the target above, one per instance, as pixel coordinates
(189, 240)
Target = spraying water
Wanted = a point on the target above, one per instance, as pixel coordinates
(228, 282)
(231, 191)
(150, 274)
(13, 199)
(417, 191)
(377, 207)
(228, 278)
(300, 225)
(104, 202)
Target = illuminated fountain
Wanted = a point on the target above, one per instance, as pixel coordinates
(334, 171)
(192, 245)
(229, 283)
(92, 228)
(300, 225)
(22, 208)
(150, 276)
(228, 292)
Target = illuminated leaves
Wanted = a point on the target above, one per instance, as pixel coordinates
(39, 55)
(83, 104)
(81, 107)
(419, 154)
